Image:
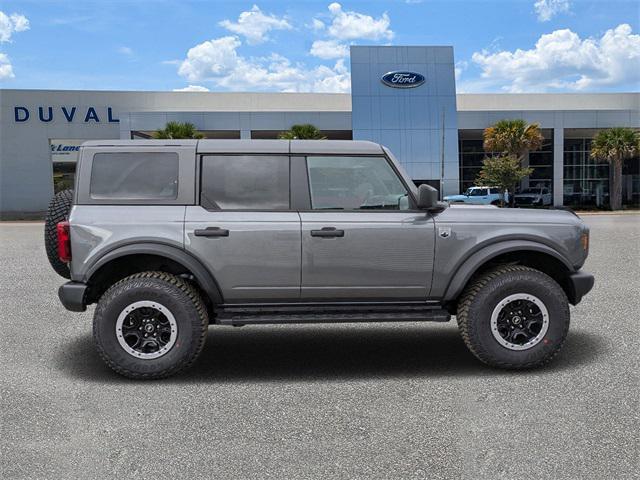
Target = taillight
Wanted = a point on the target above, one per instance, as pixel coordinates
(64, 242)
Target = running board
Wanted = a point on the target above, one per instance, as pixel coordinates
(230, 315)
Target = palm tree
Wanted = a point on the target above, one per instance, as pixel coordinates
(615, 146)
(304, 131)
(176, 130)
(514, 138)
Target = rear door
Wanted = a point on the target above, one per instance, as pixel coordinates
(361, 238)
(244, 229)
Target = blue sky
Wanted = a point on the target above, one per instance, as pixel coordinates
(500, 46)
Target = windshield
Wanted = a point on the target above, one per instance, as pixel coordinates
(531, 190)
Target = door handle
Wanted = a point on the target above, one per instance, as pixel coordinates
(211, 232)
(327, 232)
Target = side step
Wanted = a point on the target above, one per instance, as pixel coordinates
(244, 315)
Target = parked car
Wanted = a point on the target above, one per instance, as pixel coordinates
(478, 196)
(168, 237)
(536, 196)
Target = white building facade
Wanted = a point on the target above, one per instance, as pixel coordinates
(402, 97)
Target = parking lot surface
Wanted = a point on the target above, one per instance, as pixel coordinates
(321, 401)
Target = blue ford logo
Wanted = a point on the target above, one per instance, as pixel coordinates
(403, 79)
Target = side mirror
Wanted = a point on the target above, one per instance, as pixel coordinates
(427, 197)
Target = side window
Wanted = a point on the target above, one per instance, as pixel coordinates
(134, 175)
(355, 183)
(245, 182)
(494, 191)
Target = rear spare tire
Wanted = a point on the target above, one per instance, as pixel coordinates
(58, 211)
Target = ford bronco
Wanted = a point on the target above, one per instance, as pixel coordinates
(168, 237)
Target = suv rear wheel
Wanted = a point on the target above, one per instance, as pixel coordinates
(150, 325)
(514, 317)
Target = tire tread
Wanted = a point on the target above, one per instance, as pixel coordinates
(465, 321)
(195, 298)
(58, 211)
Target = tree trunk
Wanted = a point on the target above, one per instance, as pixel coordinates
(615, 196)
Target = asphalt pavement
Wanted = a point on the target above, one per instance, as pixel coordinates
(330, 401)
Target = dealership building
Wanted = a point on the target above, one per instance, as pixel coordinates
(434, 132)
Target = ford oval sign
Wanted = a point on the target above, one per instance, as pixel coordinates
(403, 79)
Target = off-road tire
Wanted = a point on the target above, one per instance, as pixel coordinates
(58, 211)
(183, 301)
(486, 291)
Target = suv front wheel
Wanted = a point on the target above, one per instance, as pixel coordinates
(514, 317)
(150, 325)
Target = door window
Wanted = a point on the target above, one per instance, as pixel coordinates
(245, 182)
(355, 183)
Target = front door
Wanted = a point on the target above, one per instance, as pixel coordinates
(244, 230)
(361, 240)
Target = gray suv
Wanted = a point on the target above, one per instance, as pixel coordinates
(168, 237)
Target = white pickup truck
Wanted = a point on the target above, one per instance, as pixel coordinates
(478, 196)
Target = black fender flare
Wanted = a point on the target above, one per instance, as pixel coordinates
(204, 277)
(470, 265)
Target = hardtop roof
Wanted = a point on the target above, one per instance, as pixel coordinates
(327, 147)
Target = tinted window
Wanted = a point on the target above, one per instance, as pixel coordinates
(355, 183)
(245, 182)
(494, 191)
(131, 175)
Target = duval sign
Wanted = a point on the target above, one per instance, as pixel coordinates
(69, 114)
(402, 79)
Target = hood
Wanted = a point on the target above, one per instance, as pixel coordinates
(527, 195)
(489, 214)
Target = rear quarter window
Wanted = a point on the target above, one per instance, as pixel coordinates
(134, 175)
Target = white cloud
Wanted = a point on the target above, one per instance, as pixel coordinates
(329, 49)
(217, 61)
(192, 88)
(254, 25)
(125, 51)
(213, 58)
(348, 25)
(6, 70)
(460, 67)
(562, 60)
(10, 24)
(547, 9)
(317, 25)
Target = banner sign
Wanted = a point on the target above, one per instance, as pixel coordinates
(64, 150)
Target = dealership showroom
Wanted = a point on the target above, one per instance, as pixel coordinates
(435, 132)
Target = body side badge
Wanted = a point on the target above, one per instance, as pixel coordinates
(444, 232)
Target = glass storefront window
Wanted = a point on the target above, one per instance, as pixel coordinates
(63, 176)
(586, 181)
(472, 154)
